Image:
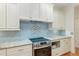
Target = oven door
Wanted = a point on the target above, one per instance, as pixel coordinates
(46, 51)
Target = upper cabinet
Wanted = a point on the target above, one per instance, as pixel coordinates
(28, 11)
(2, 15)
(12, 16)
(36, 11)
(24, 10)
(8, 17)
(46, 11)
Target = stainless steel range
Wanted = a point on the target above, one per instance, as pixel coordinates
(41, 46)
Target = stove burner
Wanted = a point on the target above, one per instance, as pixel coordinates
(39, 39)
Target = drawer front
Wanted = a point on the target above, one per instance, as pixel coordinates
(55, 52)
(65, 45)
(58, 51)
(3, 52)
(20, 51)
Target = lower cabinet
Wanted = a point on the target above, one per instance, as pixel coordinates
(55, 52)
(20, 51)
(17, 51)
(3, 52)
(64, 47)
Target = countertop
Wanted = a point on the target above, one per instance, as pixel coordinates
(15, 43)
(26, 42)
(58, 37)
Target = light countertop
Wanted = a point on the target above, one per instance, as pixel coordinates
(15, 43)
(26, 42)
(53, 38)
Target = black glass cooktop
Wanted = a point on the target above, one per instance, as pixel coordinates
(38, 39)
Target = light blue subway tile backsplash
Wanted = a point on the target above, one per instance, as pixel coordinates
(29, 29)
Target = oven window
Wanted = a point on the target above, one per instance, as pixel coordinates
(46, 51)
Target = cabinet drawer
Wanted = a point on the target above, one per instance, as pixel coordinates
(55, 52)
(3, 52)
(58, 51)
(20, 51)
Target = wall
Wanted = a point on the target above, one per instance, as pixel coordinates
(69, 19)
(77, 26)
(59, 20)
(69, 25)
(29, 30)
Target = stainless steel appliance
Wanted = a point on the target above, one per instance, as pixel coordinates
(41, 46)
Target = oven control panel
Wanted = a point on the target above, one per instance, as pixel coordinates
(41, 44)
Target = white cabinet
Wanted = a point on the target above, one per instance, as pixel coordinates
(24, 10)
(12, 16)
(29, 11)
(8, 17)
(25, 50)
(2, 15)
(2, 52)
(64, 47)
(34, 10)
(55, 52)
(46, 11)
(20, 51)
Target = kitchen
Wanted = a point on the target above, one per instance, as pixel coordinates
(37, 29)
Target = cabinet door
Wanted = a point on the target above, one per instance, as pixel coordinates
(3, 52)
(55, 52)
(24, 10)
(46, 11)
(34, 10)
(65, 45)
(12, 16)
(2, 15)
(50, 6)
(20, 51)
